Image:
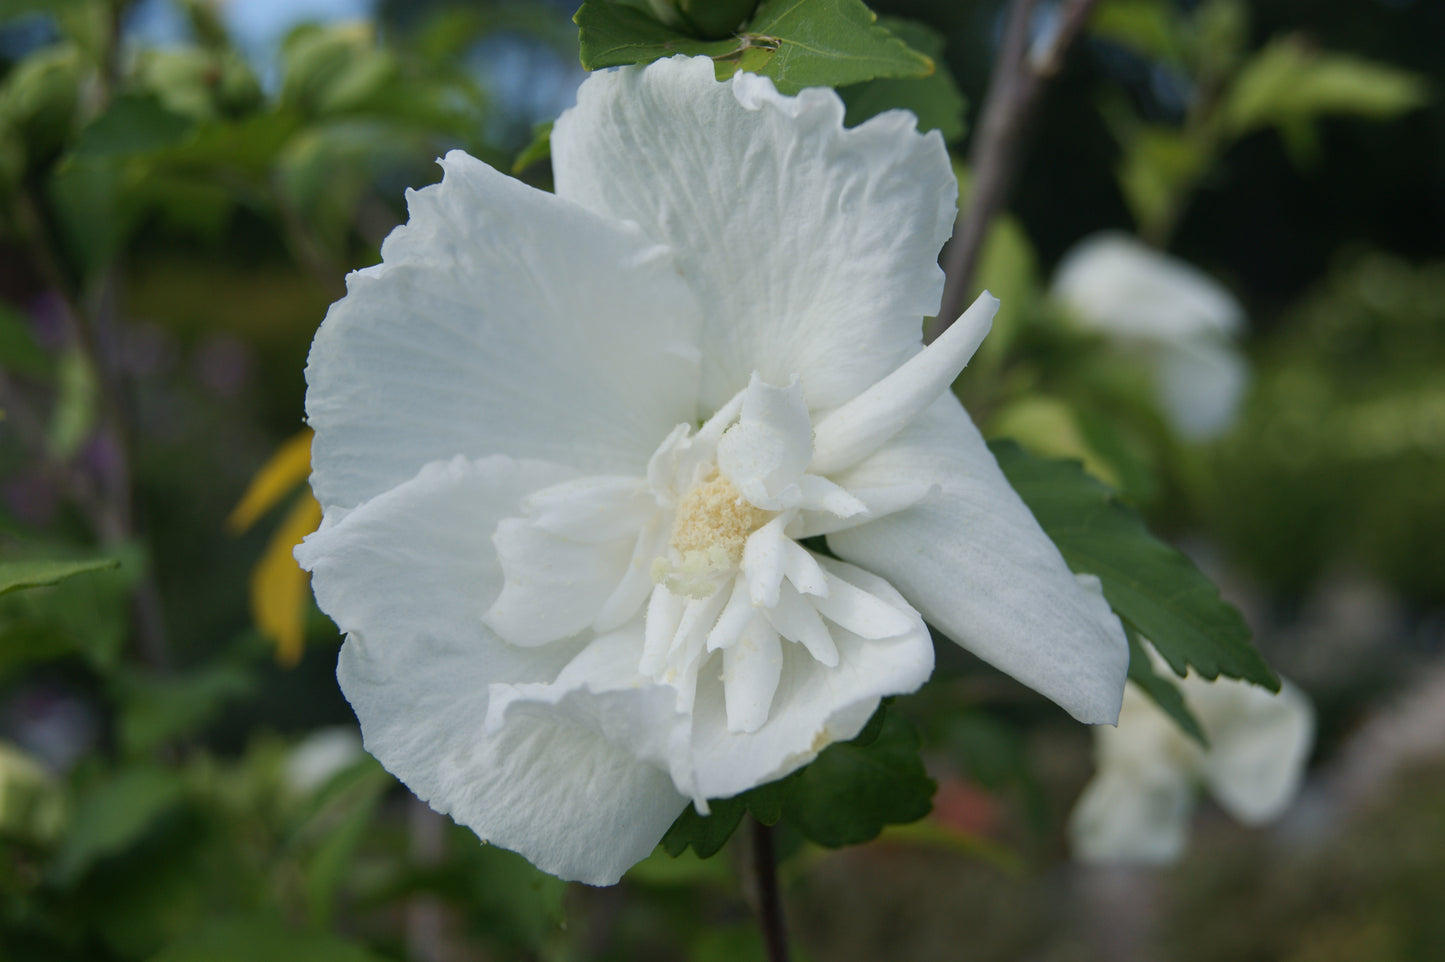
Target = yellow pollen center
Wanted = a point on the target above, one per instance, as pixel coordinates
(713, 517)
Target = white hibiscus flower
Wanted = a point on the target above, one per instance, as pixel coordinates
(569, 446)
(1180, 317)
(1137, 808)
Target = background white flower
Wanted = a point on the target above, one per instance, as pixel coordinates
(1180, 317)
(1137, 807)
(567, 447)
(320, 756)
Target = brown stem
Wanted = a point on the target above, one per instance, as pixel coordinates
(1013, 92)
(769, 902)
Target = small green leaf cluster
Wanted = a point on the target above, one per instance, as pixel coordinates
(797, 43)
(1339, 459)
(1289, 85)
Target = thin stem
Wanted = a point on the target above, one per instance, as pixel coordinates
(1013, 93)
(95, 332)
(769, 902)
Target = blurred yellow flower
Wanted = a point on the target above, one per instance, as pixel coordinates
(279, 589)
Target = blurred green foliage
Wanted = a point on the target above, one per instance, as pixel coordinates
(1340, 457)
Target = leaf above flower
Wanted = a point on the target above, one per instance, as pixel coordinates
(797, 43)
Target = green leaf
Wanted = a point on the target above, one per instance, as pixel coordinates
(538, 150)
(613, 35)
(39, 100)
(798, 43)
(15, 575)
(706, 834)
(709, 19)
(1287, 80)
(1158, 165)
(846, 796)
(1145, 26)
(333, 69)
(1161, 690)
(935, 99)
(852, 791)
(343, 822)
(76, 405)
(113, 815)
(133, 124)
(825, 43)
(155, 708)
(1152, 586)
(259, 939)
(88, 616)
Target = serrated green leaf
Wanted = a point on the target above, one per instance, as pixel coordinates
(709, 19)
(705, 834)
(613, 35)
(935, 99)
(15, 575)
(851, 792)
(1288, 81)
(1154, 587)
(259, 939)
(847, 795)
(798, 43)
(825, 43)
(1161, 690)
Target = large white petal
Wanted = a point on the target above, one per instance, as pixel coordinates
(554, 586)
(972, 558)
(812, 706)
(852, 432)
(552, 782)
(502, 320)
(408, 575)
(1259, 743)
(812, 248)
(416, 566)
